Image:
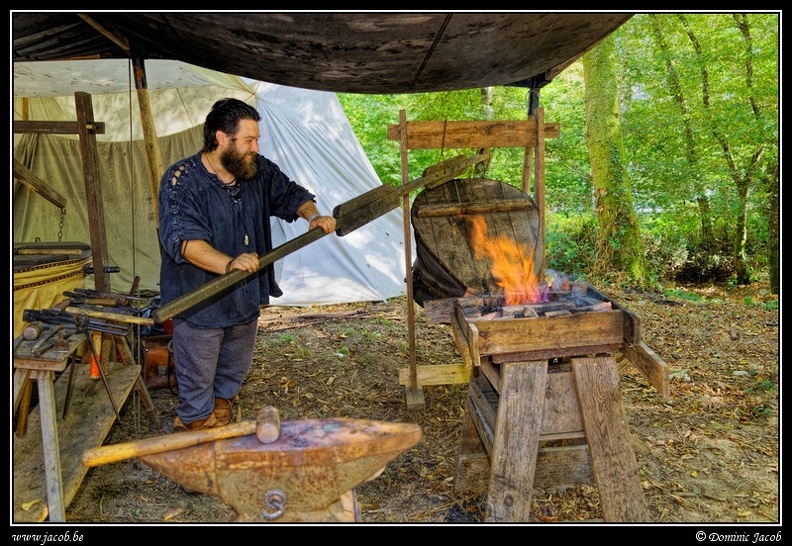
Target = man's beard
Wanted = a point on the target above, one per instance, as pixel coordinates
(237, 165)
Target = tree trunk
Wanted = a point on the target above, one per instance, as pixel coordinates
(619, 247)
(773, 231)
(691, 147)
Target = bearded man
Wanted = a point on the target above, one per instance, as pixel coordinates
(214, 217)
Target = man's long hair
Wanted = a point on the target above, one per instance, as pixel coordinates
(225, 116)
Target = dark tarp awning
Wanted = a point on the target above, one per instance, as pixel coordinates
(348, 52)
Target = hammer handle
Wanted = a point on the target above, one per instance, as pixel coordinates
(100, 455)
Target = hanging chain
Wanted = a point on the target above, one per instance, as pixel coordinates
(60, 224)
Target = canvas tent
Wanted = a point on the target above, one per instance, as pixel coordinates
(306, 132)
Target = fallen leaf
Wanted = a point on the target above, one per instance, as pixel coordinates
(172, 514)
(28, 505)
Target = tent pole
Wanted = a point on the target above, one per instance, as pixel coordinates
(153, 154)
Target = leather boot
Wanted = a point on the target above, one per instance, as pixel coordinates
(200, 424)
(222, 411)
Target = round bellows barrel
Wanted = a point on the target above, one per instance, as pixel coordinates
(444, 217)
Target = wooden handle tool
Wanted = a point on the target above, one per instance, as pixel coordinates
(266, 428)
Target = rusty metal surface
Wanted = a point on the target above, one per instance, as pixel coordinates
(309, 468)
(372, 52)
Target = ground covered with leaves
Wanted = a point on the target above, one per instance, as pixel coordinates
(707, 454)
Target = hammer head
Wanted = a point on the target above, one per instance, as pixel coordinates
(267, 425)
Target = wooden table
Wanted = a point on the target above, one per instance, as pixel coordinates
(86, 423)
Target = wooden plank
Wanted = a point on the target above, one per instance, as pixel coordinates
(89, 154)
(484, 405)
(491, 373)
(557, 353)
(473, 462)
(473, 134)
(414, 398)
(469, 438)
(459, 209)
(88, 420)
(650, 365)
(632, 324)
(37, 185)
(545, 333)
(516, 443)
(440, 374)
(563, 465)
(561, 415)
(461, 343)
(56, 127)
(54, 359)
(469, 336)
(53, 478)
(472, 473)
(608, 437)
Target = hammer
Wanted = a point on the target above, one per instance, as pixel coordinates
(266, 427)
(44, 342)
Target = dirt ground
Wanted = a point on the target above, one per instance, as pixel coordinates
(707, 454)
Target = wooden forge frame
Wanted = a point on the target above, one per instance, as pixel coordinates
(529, 134)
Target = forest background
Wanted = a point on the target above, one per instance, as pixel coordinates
(667, 165)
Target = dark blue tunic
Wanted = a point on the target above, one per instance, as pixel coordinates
(195, 204)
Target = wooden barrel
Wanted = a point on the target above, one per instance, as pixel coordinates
(446, 265)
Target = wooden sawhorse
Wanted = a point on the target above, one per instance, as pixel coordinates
(514, 407)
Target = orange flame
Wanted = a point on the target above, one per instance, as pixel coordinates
(512, 265)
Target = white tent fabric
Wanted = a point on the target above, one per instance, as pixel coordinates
(306, 132)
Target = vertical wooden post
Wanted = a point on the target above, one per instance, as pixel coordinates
(153, 154)
(51, 444)
(93, 189)
(539, 251)
(414, 392)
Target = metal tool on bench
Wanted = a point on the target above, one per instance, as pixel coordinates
(33, 330)
(93, 294)
(43, 342)
(51, 316)
(97, 303)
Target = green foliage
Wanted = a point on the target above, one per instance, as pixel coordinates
(770, 305)
(385, 322)
(571, 242)
(688, 140)
(761, 411)
(684, 295)
(759, 386)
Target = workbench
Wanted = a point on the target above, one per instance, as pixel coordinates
(47, 458)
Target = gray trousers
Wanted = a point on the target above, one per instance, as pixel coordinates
(210, 363)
